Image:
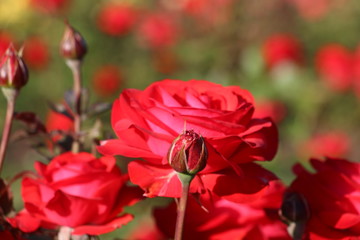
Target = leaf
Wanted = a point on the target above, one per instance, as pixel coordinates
(33, 123)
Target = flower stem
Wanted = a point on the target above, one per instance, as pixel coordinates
(10, 95)
(75, 66)
(185, 183)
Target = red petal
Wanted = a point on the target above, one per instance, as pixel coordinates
(102, 229)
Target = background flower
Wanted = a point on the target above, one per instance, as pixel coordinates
(280, 48)
(107, 80)
(116, 19)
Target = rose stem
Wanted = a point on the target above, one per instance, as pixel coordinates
(185, 184)
(75, 66)
(10, 95)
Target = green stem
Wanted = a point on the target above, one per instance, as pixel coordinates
(185, 183)
(75, 66)
(10, 94)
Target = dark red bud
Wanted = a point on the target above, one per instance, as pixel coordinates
(294, 208)
(73, 45)
(13, 71)
(188, 153)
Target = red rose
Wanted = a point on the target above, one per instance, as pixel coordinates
(146, 122)
(212, 12)
(36, 53)
(5, 40)
(81, 192)
(228, 220)
(49, 6)
(335, 65)
(116, 19)
(276, 110)
(332, 194)
(107, 80)
(280, 48)
(330, 144)
(158, 30)
(311, 10)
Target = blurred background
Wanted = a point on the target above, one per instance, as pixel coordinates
(299, 58)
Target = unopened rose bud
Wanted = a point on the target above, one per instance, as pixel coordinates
(294, 208)
(13, 71)
(73, 45)
(188, 153)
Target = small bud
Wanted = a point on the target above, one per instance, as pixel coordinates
(13, 71)
(73, 45)
(294, 208)
(188, 153)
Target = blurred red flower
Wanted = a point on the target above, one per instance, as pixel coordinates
(356, 71)
(58, 122)
(49, 6)
(329, 144)
(158, 30)
(276, 110)
(5, 40)
(332, 194)
(146, 122)
(335, 65)
(280, 48)
(228, 220)
(311, 10)
(107, 80)
(36, 53)
(116, 19)
(66, 193)
(211, 12)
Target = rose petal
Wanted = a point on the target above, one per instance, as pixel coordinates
(105, 228)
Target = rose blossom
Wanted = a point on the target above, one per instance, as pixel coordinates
(332, 194)
(334, 63)
(146, 122)
(49, 6)
(274, 109)
(158, 30)
(228, 220)
(107, 80)
(116, 19)
(330, 144)
(79, 191)
(280, 48)
(36, 53)
(5, 40)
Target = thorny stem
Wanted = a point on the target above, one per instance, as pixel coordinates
(10, 95)
(75, 66)
(185, 183)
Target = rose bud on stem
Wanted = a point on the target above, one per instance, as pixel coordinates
(73, 48)
(295, 211)
(13, 76)
(187, 156)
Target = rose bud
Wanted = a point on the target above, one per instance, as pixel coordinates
(13, 71)
(294, 208)
(188, 153)
(73, 45)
